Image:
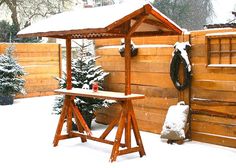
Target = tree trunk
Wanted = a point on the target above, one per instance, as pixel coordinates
(12, 5)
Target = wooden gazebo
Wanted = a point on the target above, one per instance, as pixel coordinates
(130, 19)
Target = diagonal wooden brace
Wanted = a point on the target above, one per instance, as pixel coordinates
(80, 118)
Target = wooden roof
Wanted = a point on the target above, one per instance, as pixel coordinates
(105, 22)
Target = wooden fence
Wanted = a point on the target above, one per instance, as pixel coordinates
(41, 62)
(213, 94)
(213, 122)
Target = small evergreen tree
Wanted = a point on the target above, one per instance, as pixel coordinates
(84, 74)
(11, 72)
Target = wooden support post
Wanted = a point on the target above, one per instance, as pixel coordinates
(127, 107)
(69, 120)
(230, 50)
(68, 64)
(127, 65)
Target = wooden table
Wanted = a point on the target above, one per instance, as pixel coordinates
(126, 121)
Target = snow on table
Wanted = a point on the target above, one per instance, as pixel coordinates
(27, 129)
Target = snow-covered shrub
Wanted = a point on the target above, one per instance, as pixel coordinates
(84, 74)
(11, 72)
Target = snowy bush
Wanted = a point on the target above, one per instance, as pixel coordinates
(11, 72)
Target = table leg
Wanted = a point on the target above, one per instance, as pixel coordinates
(127, 120)
(80, 118)
(136, 131)
(69, 121)
(61, 120)
(80, 128)
(115, 149)
(127, 125)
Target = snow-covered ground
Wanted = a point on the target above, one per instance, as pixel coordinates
(27, 129)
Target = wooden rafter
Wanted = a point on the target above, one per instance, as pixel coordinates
(125, 19)
(136, 25)
(154, 23)
(166, 22)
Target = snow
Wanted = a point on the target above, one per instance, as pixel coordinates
(84, 18)
(221, 65)
(175, 122)
(27, 129)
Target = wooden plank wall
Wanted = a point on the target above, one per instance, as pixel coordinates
(41, 62)
(213, 122)
(149, 76)
(213, 96)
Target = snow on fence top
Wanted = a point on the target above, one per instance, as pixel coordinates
(106, 21)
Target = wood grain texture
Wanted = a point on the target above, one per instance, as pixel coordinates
(150, 76)
(41, 64)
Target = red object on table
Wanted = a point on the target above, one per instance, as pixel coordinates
(95, 87)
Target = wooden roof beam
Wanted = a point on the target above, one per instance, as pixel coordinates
(154, 23)
(136, 24)
(166, 22)
(144, 10)
(153, 33)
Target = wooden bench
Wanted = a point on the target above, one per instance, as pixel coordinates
(126, 121)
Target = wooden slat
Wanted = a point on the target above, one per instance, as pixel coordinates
(215, 139)
(201, 68)
(41, 69)
(215, 85)
(36, 94)
(148, 126)
(216, 108)
(40, 88)
(214, 119)
(142, 51)
(170, 40)
(215, 95)
(149, 79)
(213, 128)
(214, 76)
(145, 114)
(136, 66)
(155, 102)
(212, 102)
(150, 91)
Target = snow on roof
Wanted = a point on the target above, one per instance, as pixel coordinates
(99, 18)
